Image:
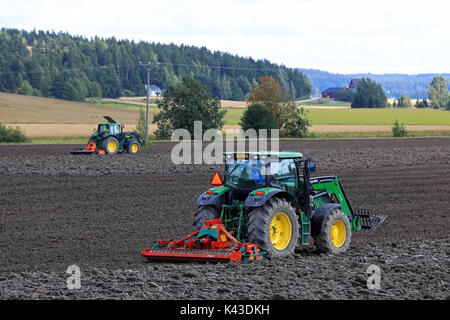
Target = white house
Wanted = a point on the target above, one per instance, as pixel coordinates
(154, 91)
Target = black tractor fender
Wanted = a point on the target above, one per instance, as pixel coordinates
(320, 215)
(211, 200)
(258, 201)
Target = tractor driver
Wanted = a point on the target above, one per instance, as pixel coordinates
(256, 172)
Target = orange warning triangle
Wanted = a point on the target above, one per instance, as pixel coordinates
(216, 180)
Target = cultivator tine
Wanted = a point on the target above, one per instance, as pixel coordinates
(368, 221)
(188, 255)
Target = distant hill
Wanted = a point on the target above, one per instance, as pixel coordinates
(394, 85)
(70, 67)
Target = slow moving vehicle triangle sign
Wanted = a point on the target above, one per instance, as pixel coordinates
(216, 179)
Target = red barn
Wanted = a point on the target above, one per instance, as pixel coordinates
(331, 92)
(354, 83)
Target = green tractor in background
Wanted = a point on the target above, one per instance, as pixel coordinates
(110, 138)
(270, 199)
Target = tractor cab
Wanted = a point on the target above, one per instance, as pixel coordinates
(251, 171)
(109, 128)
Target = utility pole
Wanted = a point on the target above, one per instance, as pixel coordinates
(148, 66)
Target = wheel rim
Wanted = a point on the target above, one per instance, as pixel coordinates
(338, 233)
(134, 148)
(280, 231)
(112, 146)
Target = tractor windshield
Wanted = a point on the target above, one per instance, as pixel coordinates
(245, 173)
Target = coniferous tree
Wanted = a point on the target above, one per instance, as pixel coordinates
(369, 94)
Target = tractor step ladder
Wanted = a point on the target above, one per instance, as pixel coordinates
(305, 228)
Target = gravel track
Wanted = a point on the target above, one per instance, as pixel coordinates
(57, 209)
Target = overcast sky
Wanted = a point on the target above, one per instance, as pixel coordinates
(343, 36)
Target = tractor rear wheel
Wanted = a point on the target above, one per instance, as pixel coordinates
(205, 213)
(133, 147)
(274, 228)
(336, 233)
(110, 145)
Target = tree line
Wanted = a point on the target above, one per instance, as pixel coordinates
(394, 85)
(70, 67)
(369, 94)
(269, 107)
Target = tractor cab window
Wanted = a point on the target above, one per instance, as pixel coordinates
(115, 129)
(245, 173)
(103, 128)
(284, 173)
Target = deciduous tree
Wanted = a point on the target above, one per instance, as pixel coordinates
(184, 103)
(438, 92)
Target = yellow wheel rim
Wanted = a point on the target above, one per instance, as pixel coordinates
(280, 231)
(134, 148)
(338, 233)
(112, 146)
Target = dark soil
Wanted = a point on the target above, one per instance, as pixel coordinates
(100, 212)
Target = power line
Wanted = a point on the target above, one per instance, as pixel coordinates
(216, 67)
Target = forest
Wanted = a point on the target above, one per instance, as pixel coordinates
(65, 66)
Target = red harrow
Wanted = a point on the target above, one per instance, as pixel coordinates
(210, 243)
(89, 149)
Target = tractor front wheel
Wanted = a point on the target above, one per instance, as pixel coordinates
(203, 214)
(336, 233)
(110, 145)
(274, 228)
(133, 147)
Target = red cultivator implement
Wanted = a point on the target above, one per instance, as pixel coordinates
(210, 243)
(89, 149)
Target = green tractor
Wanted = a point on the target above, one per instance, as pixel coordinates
(110, 138)
(270, 199)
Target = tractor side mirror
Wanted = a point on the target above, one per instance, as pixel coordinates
(312, 166)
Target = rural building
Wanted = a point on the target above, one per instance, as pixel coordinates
(331, 92)
(354, 83)
(154, 91)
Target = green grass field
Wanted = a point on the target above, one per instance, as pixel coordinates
(151, 108)
(379, 116)
(364, 116)
(340, 116)
(323, 102)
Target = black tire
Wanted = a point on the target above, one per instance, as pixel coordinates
(133, 147)
(324, 242)
(107, 141)
(261, 229)
(205, 213)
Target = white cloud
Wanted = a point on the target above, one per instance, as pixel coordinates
(339, 36)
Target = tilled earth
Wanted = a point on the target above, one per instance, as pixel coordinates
(99, 212)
